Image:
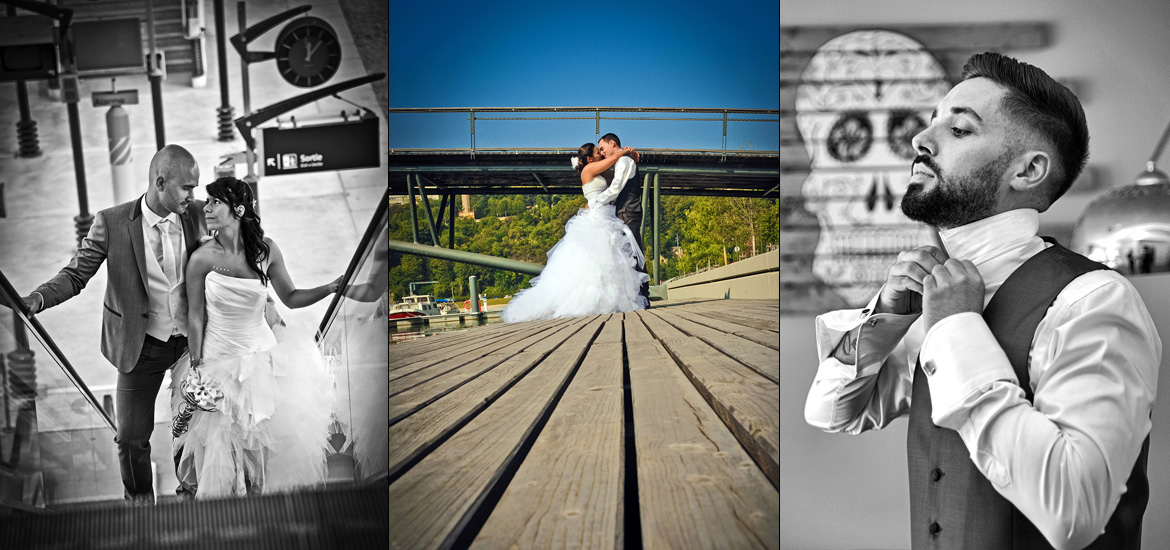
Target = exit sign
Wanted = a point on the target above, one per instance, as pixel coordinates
(319, 147)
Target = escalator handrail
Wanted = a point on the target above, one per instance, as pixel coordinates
(379, 219)
(47, 341)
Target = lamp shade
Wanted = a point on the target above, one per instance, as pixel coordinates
(1128, 228)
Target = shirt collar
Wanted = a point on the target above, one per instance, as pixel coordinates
(152, 219)
(1009, 233)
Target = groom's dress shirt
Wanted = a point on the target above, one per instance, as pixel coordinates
(1062, 460)
(168, 302)
(622, 170)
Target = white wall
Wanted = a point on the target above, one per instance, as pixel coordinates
(1117, 52)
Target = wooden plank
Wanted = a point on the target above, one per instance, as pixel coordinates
(660, 328)
(438, 364)
(765, 337)
(744, 310)
(443, 339)
(468, 351)
(442, 342)
(406, 402)
(769, 326)
(612, 331)
(568, 492)
(746, 401)
(760, 358)
(433, 502)
(408, 396)
(697, 487)
(414, 434)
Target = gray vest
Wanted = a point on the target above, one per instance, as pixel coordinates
(952, 505)
(628, 202)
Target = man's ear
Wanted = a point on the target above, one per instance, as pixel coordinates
(1031, 170)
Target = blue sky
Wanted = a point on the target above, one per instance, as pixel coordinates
(546, 54)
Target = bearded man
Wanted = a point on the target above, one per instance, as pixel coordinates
(1028, 371)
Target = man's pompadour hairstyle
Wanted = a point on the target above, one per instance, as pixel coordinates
(1042, 105)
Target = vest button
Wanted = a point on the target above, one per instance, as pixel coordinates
(934, 528)
(936, 474)
(146, 316)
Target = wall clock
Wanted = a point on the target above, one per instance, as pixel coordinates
(307, 52)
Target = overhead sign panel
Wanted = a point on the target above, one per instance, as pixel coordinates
(109, 47)
(28, 48)
(319, 147)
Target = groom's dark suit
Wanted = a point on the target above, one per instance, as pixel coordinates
(629, 210)
(116, 238)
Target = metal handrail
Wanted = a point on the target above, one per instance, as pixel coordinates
(475, 114)
(565, 150)
(374, 229)
(582, 110)
(47, 341)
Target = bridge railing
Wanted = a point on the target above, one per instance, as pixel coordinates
(533, 129)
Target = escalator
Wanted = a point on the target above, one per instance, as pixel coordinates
(60, 485)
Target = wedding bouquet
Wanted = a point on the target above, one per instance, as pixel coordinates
(196, 395)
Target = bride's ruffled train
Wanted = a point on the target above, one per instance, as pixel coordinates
(590, 271)
(271, 430)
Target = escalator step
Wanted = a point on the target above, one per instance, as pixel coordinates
(335, 518)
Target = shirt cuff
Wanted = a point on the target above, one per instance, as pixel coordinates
(42, 297)
(960, 356)
(876, 334)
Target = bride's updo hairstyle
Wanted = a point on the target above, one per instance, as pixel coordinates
(583, 155)
(236, 193)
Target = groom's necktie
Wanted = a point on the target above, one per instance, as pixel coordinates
(168, 241)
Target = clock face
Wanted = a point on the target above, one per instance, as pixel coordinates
(307, 52)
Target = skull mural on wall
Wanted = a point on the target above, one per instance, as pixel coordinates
(862, 97)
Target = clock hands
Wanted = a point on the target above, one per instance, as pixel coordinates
(310, 49)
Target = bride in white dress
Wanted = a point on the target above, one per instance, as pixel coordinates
(592, 269)
(271, 427)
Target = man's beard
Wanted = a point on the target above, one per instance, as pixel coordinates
(957, 200)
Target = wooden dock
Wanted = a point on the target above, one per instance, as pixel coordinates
(658, 427)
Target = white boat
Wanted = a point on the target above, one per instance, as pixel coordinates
(414, 306)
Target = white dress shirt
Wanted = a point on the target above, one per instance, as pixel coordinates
(622, 171)
(1062, 460)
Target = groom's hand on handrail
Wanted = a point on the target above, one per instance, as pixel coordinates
(33, 302)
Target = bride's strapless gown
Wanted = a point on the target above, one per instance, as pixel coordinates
(271, 430)
(590, 271)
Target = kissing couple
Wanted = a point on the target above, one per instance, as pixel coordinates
(188, 288)
(598, 266)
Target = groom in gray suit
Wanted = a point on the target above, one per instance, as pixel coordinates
(145, 243)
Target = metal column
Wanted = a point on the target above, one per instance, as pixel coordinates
(426, 204)
(225, 113)
(413, 213)
(26, 127)
(451, 228)
(157, 71)
(83, 219)
(657, 204)
(249, 155)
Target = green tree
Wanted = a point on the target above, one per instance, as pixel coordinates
(704, 228)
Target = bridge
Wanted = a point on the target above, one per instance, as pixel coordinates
(505, 162)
